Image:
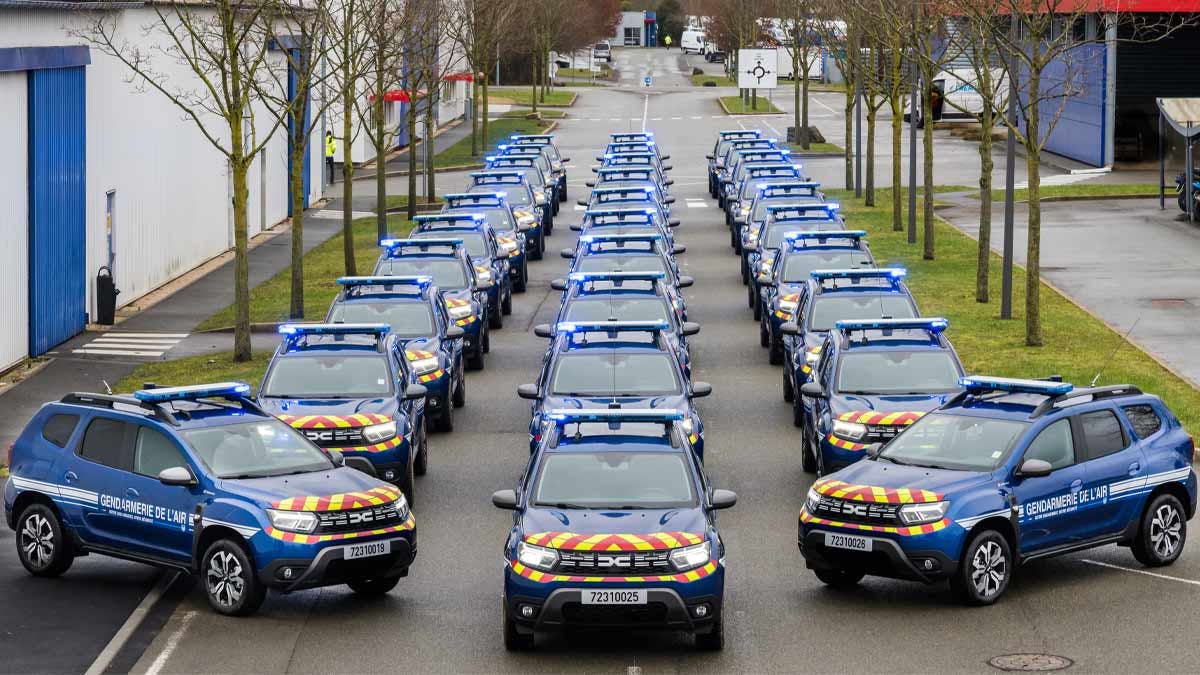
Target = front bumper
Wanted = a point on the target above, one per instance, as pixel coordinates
(379, 458)
(922, 557)
(297, 568)
(835, 457)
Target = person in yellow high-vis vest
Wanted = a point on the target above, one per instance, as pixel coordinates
(667, 39)
(330, 151)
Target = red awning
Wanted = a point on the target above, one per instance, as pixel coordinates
(397, 96)
(459, 77)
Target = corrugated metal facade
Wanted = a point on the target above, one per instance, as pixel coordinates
(14, 218)
(57, 216)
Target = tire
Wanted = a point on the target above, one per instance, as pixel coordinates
(459, 399)
(840, 579)
(789, 394)
(230, 584)
(1181, 199)
(562, 194)
(445, 423)
(538, 250)
(808, 461)
(407, 485)
(475, 361)
(814, 449)
(485, 343)
(1165, 519)
(745, 272)
(775, 349)
(495, 317)
(506, 304)
(421, 463)
(373, 587)
(984, 570)
(714, 639)
(733, 239)
(754, 302)
(514, 640)
(522, 280)
(41, 544)
(764, 335)
(554, 207)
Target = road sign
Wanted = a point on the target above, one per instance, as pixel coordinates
(646, 81)
(757, 69)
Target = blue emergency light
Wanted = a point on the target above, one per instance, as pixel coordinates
(233, 390)
(626, 136)
(855, 274)
(603, 238)
(611, 416)
(298, 329)
(584, 277)
(421, 280)
(595, 213)
(421, 243)
(735, 133)
(454, 217)
(611, 327)
(935, 324)
(789, 187)
(819, 236)
(497, 173)
(977, 384)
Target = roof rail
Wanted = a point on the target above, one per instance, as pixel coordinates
(1096, 394)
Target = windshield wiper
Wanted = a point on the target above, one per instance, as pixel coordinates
(564, 505)
(893, 460)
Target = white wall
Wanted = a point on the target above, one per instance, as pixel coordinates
(14, 219)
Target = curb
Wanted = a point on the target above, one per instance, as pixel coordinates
(254, 328)
(721, 103)
(1072, 198)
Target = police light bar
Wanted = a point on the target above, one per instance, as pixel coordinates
(233, 390)
(977, 384)
(520, 150)
(575, 415)
(932, 324)
(630, 145)
(875, 273)
(421, 280)
(622, 136)
(424, 242)
(789, 187)
(631, 155)
(594, 213)
(804, 211)
(740, 133)
(451, 217)
(768, 168)
(632, 173)
(611, 327)
(584, 277)
(474, 197)
(821, 235)
(299, 329)
(602, 238)
(531, 137)
(499, 173)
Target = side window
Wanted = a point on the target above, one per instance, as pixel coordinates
(58, 429)
(826, 366)
(1144, 419)
(1102, 433)
(155, 452)
(1055, 445)
(107, 441)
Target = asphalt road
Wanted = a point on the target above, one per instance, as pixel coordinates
(445, 617)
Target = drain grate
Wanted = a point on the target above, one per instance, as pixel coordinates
(1169, 303)
(1029, 662)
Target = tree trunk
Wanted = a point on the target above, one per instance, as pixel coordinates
(533, 79)
(241, 267)
(897, 107)
(411, 121)
(927, 150)
(869, 192)
(430, 187)
(296, 188)
(1033, 251)
(848, 152)
(984, 258)
(474, 119)
(798, 139)
(483, 123)
(348, 182)
(381, 142)
(804, 140)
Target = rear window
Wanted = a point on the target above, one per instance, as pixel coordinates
(1102, 433)
(1144, 419)
(108, 442)
(58, 429)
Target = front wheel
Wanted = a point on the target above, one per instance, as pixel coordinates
(789, 394)
(506, 303)
(840, 579)
(1163, 532)
(496, 317)
(41, 546)
(459, 399)
(984, 571)
(714, 639)
(406, 485)
(229, 581)
(522, 279)
(421, 463)
(514, 640)
(378, 586)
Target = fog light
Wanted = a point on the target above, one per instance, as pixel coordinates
(700, 611)
(287, 573)
(390, 474)
(527, 611)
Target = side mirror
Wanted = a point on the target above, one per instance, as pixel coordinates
(361, 464)
(455, 333)
(873, 450)
(483, 285)
(529, 392)
(668, 183)
(790, 328)
(576, 227)
(599, 158)
(567, 253)
(813, 390)
(669, 200)
(336, 457)
(543, 330)
(674, 222)
(590, 183)
(559, 284)
(595, 169)
(701, 389)
(709, 156)
(505, 499)
(678, 249)
(1034, 468)
(686, 281)
(415, 392)
(177, 475)
(723, 499)
(581, 202)
(689, 328)
(665, 157)
(564, 160)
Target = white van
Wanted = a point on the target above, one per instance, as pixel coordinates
(784, 65)
(692, 41)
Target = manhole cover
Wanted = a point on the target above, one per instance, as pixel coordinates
(1029, 662)
(1169, 303)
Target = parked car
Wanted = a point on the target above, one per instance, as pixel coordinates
(602, 51)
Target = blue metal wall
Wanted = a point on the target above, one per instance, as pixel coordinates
(57, 219)
(1079, 133)
(297, 58)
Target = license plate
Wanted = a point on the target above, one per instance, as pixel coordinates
(849, 542)
(634, 597)
(355, 551)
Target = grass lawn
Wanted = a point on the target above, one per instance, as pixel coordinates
(270, 301)
(817, 148)
(520, 113)
(761, 106)
(1086, 190)
(1076, 344)
(401, 201)
(523, 96)
(499, 130)
(717, 80)
(218, 367)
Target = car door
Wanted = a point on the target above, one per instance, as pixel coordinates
(1048, 505)
(94, 475)
(1111, 456)
(163, 527)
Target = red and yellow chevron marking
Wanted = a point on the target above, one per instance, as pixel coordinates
(843, 444)
(693, 437)
(296, 538)
(780, 314)
(547, 578)
(659, 541)
(465, 321)
(457, 302)
(509, 240)
(881, 418)
(417, 354)
(340, 502)
(877, 495)
(805, 517)
(804, 367)
(393, 442)
(430, 377)
(334, 421)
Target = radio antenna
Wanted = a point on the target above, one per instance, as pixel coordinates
(107, 389)
(1124, 339)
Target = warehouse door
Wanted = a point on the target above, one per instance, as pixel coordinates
(57, 222)
(14, 218)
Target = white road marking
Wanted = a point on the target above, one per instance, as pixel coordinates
(696, 117)
(131, 344)
(697, 204)
(676, 118)
(821, 103)
(116, 352)
(172, 644)
(147, 335)
(136, 341)
(1063, 179)
(645, 109)
(1156, 575)
(330, 214)
(655, 119)
(580, 208)
(117, 643)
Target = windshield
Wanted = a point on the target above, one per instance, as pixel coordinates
(618, 309)
(622, 263)
(830, 309)
(474, 241)
(614, 480)
(498, 218)
(255, 450)
(328, 376)
(955, 442)
(447, 273)
(516, 195)
(776, 233)
(798, 266)
(760, 209)
(407, 319)
(614, 374)
(924, 372)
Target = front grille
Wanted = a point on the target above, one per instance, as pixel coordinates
(334, 438)
(845, 510)
(353, 520)
(615, 563)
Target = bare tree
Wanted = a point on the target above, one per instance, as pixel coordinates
(220, 45)
(887, 26)
(930, 55)
(842, 41)
(798, 22)
(479, 27)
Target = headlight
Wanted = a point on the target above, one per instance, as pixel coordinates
(379, 432)
(508, 247)
(764, 265)
(918, 514)
(401, 506)
(813, 499)
(788, 305)
(525, 220)
(689, 557)
(292, 521)
(483, 274)
(812, 356)
(539, 196)
(745, 211)
(537, 557)
(850, 430)
(460, 312)
(424, 366)
(686, 426)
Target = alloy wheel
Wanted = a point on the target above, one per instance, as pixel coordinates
(224, 579)
(37, 540)
(989, 567)
(1165, 530)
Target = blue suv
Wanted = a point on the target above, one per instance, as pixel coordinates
(614, 527)
(510, 228)
(491, 261)
(1007, 472)
(201, 480)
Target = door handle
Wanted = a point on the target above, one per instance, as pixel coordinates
(1134, 467)
(131, 493)
(1076, 485)
(70, 476)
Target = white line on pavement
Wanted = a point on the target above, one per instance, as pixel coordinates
(645, 109)
(147, 335)
(117, 643)
(696, 117)
(172, 644)
(697, 204)
(134, 340)
(1136, 571)
(116, 352)
(128, 345)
